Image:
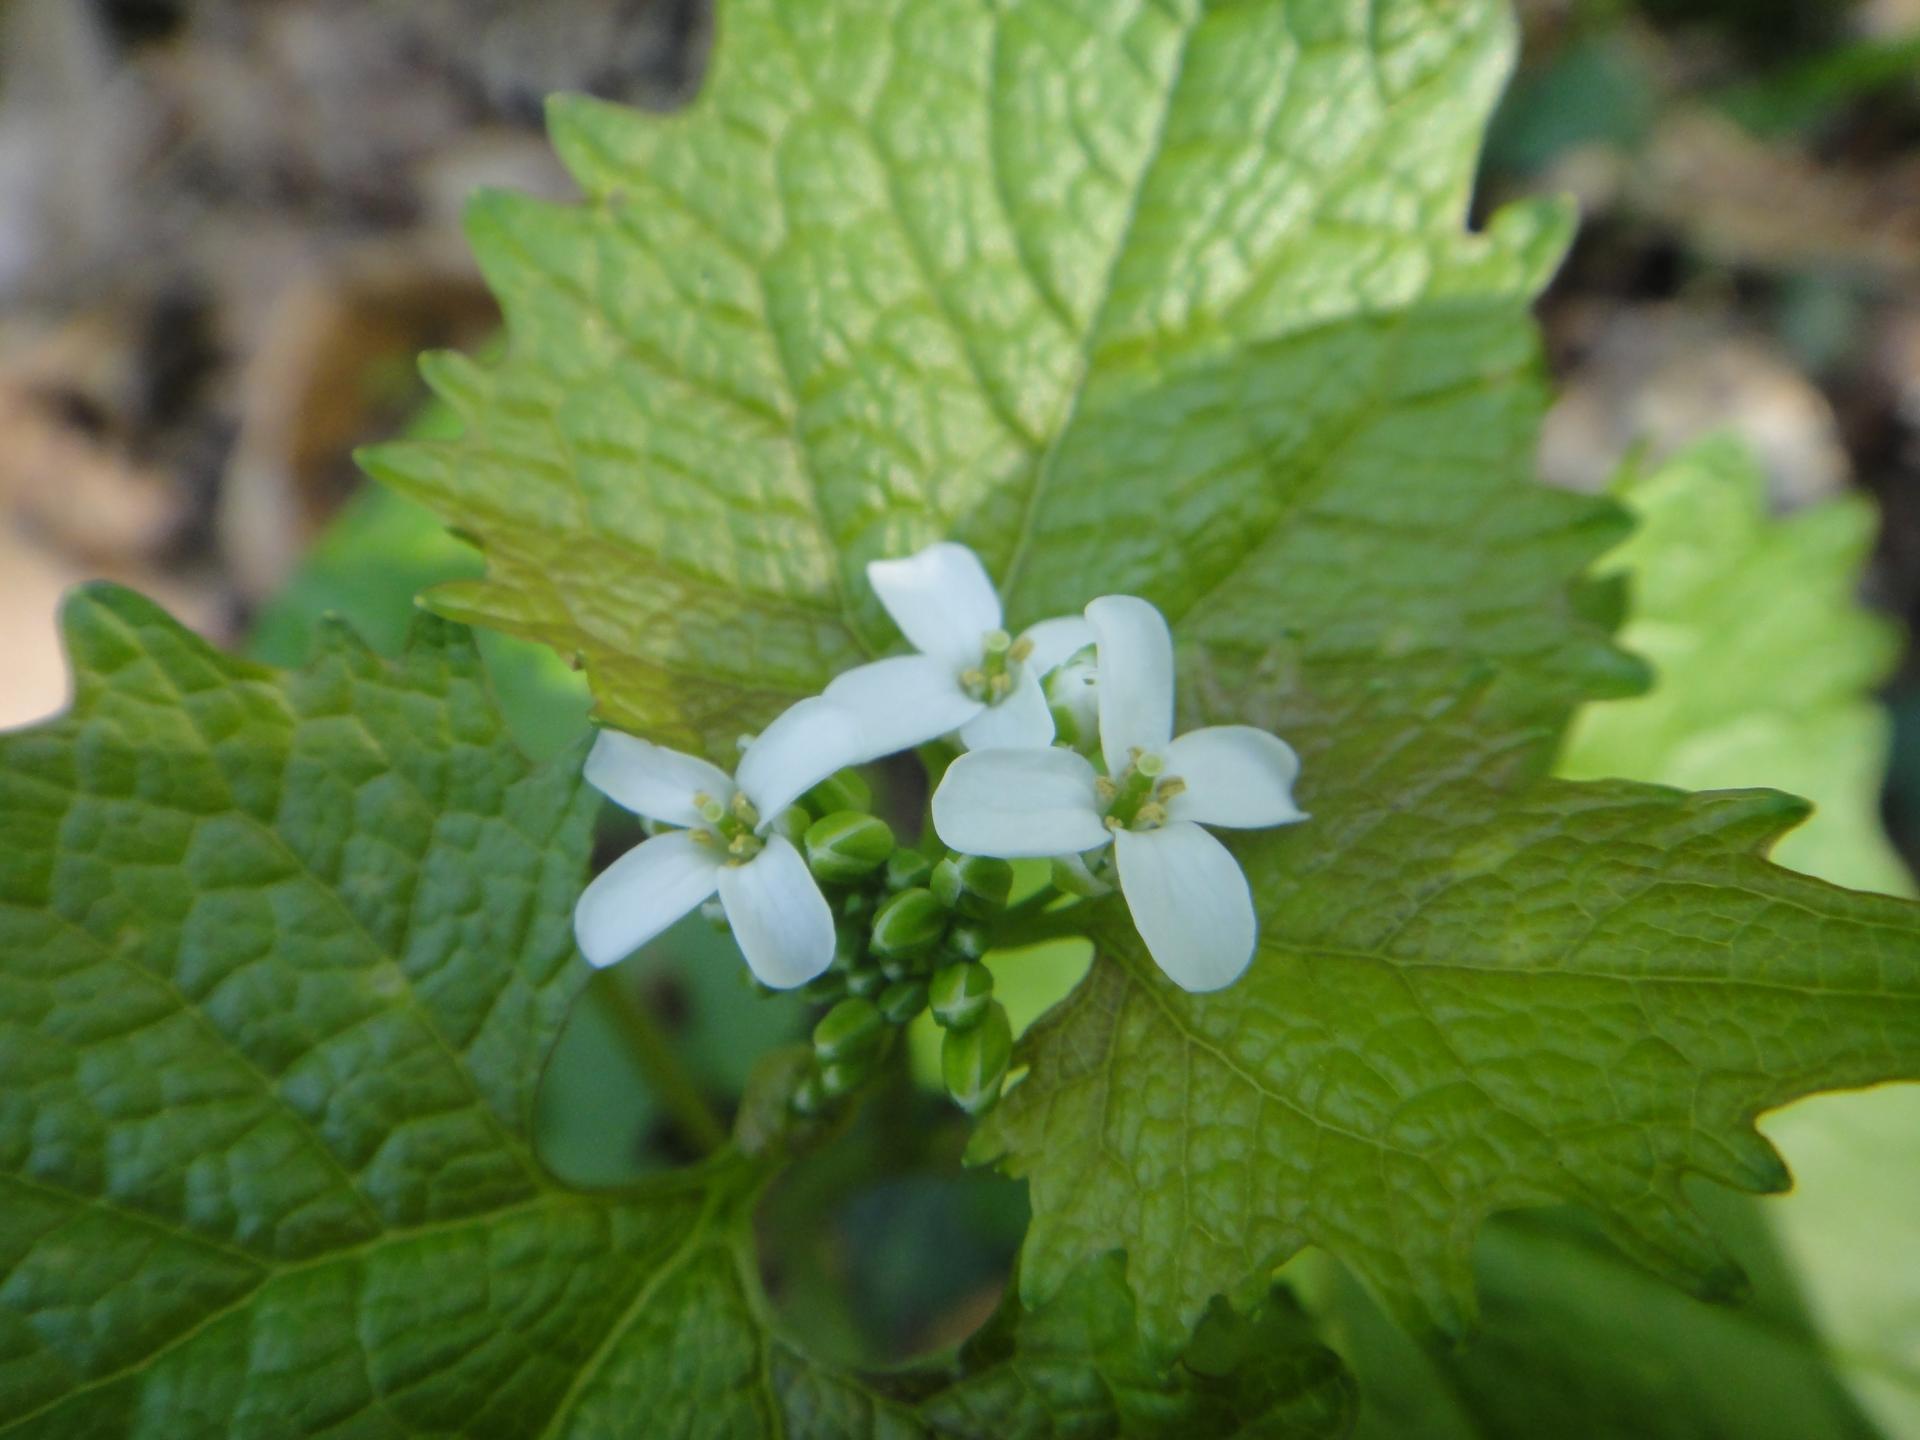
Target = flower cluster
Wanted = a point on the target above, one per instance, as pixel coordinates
(1070, 756)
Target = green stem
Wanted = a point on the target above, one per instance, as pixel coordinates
(670, 1080)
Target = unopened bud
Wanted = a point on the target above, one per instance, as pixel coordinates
(960, 994)
(843, 790)
(903, 1000)
(851, 1028)
(847, 846)
(810, 1096)
(969, 939)
(849, 946)
(974, 1062)
(972, 884)
(909, 924)
(843, 1077)
(907, 868)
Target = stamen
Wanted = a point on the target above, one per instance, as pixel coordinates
(1168, 788)
(1114, 824)
(703, 837)
(1000, 686)
(1105, 789)
(1022, 648)
(743, 810)
(1151, 816)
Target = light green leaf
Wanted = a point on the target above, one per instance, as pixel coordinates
(1766, 661)
(1174, 299)
(1466, 999)
(281, 956)
(1171, 298)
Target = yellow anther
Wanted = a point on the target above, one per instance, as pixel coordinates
(1000, 686)
(1022, 648)
(743, 810)
(1168, 788)
(1151, 816)
(1113, 824)
(1105, 789)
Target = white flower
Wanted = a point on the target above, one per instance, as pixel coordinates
(969, 674)
(776, 911)
(1189, 900)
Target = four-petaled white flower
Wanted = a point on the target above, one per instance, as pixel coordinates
(1189, 899)
(970, 675)
(775, 909)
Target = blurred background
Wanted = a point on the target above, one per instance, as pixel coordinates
(228, 226)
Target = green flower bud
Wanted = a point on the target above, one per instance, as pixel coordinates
(810, 1096)
(969, 939)
(843, 1076)
(849, 946)
(909, 924)
(851, 1028)
(827, 988)
(866, 981)
(973, 884)
(974, 1062)
(907, 868)
(960, 994)
(903, 1000)
(855, 905)
(902, 967)
(844, 790)
(847, 846)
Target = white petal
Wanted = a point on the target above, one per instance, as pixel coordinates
(1236, 776)
(641, 894)
(903, 702)
(1055, 640)
(796, 752)
(1136, 677)
(778, 915)
(1190, 903)
(941, 599)
(1019, 804)
(1018, 722)
(651, 780)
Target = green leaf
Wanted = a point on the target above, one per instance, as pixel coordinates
(1767, 667)
(281, 956)
(1171, 299)
(1176, 300)
(1467, 999)
(1767, 662)
(1077, 1366)
(1578, 1343)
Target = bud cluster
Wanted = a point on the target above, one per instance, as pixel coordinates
(910, 933)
